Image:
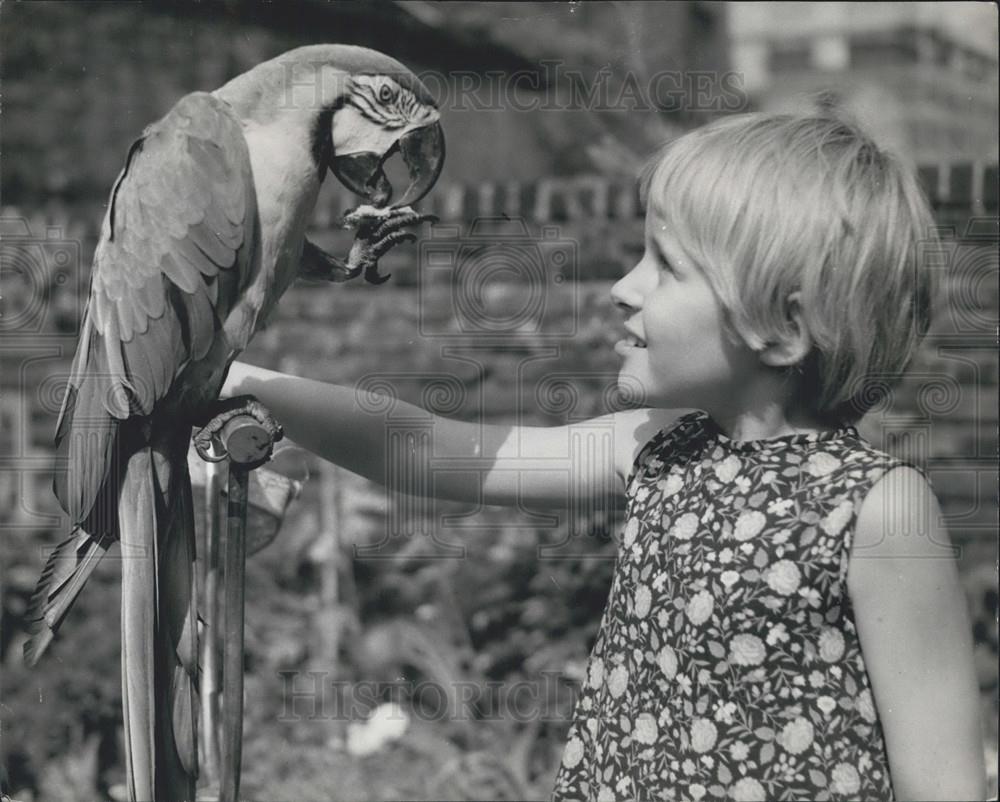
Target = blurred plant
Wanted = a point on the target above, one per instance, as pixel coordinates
(61, 718)
(73, 775)
(386, 724)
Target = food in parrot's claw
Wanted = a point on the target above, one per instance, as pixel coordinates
(378, 230)
(355, 217)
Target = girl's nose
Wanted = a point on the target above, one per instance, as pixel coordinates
(624, 296)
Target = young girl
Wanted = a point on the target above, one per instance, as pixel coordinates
(785, 620)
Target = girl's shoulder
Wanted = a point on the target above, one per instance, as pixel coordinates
(853, 456)
(900, 515)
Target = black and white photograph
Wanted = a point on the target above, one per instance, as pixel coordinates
(563, 401)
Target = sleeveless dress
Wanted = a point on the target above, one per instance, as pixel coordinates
(727, 664)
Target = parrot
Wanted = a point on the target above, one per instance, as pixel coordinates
(203, 233)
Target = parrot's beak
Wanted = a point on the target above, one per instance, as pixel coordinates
(423, 153)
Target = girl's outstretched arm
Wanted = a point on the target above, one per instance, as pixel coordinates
(915, 634)
(489, 464)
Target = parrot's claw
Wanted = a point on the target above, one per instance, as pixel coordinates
(223, 412)
(378, 230)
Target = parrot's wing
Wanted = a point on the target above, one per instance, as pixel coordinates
(174, 252)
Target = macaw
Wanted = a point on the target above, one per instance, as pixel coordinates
(204, 231)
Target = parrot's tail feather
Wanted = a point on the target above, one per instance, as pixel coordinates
(177, 643)
(137, 530)
(159, 630)
(65, 573)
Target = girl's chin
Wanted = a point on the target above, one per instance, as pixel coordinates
(632, 390)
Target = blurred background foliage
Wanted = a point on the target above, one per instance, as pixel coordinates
(499, 608)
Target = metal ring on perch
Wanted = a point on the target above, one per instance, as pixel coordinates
(243, 440)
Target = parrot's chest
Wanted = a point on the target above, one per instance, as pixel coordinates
(286, 186)
(281, 247)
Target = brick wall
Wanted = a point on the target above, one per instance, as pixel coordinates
(956, 190)
(541, 364)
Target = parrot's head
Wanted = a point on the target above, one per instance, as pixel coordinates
(381, 116)
(359, 108)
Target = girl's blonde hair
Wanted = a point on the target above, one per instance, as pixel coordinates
(767, 205)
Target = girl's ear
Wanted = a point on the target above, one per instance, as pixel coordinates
(795, 347)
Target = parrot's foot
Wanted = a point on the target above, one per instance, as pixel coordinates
(378, 230)
(258, 446)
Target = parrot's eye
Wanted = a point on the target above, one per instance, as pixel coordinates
(385, 93)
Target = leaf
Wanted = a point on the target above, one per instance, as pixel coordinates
(850, 685)
(751, 575)
(808, 536)
(764, 733)
(833, 614)
(716, 648)
(716, 790)
(702, 705)
(760, 558)
(725, 775)
(818, 778)
(757, 498)
(767, 753)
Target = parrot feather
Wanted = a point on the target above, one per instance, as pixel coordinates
(68, 567)
(194, 257)
(210, 245)
(150, 298)
(181, 272)
(197, 323)
(137, 532)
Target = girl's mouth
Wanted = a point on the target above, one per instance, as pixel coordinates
(630, 343)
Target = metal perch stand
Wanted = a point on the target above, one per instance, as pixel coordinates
(248, 445)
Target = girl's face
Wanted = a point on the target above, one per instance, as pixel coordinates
(677, 348)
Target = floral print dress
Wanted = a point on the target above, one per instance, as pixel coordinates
(727, 663)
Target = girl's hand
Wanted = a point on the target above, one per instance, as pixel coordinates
(917, 640)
